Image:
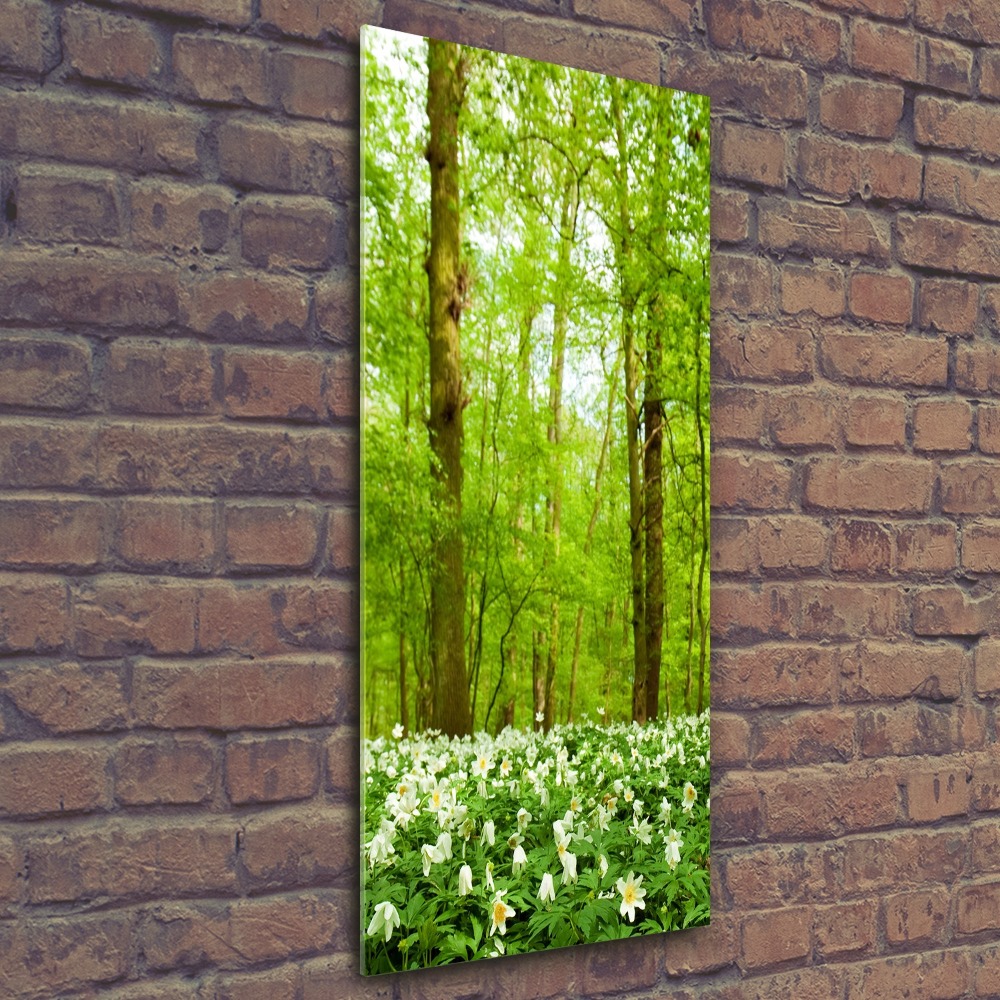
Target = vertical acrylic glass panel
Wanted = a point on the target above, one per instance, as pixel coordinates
(535, 455)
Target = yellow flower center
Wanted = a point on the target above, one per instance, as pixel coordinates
(629, 894)
(499, 912)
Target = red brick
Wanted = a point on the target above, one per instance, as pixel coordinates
(44, 371)
(103, 46)
(54, 204)
(701, 949)
(273, 770)
(282, 983)
(320, 18)
(769, 875)
(336, 306)
(972, 20)
(164, 772)
(299, 158)
(987, 658)
(875, 422)
(165, 859)
(770, 89)
(794, 543)
(743, 285)
(664, 17)
(813, 983)
(986, 966)
(858, 107)
(12, 861)
(829, 167)
(49, 780)
(935, 794)
(342, 759)
(896, 10)
(945, 611)
(891, 174)
(272, 535)
(730, 739)
(981, 547)
(985, 785)
(822, 230)
(948, 306)
(776, 936)
(774, 29)
(874, 671)
(742, 613)
(240, 694)
(849, 611)
(756, 483)
(730, 216)
(747, 153)
(985, 846)
(117, 615)
(962, 189)
(283, 232)
(248, 307)
(29, 38)
(979, 908)
(948, 66)
(244, 932)
(279, 384)
(887, 862)
(807, 737)
(626, 966)
(881, 298)
(991, 309)
(989, 430)
(908, 729)
(863, 547)
(942, 975)
(99, 131)
(733, 548)
(341, 386)
(772, 675)
(736, 815)
(761, 351)
(222, 70)
(926, 548)
(917, 918)
(299, 846)
(155, 377)
(480, 28)
(977, 368)
(572, 44)
(894, 485)
(69, 697)
(884, 359)
(34, 613)
(343, 539)
(162, 534)
(47, 956)
(180, 218)
(236, 13)
(957, 125)
(970, 488)
(989, 73)
(886, 50)
(739, 415)
(845, 928)
(799, 420)
(942, 425)
(312, 86)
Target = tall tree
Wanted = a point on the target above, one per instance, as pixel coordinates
(448, 285)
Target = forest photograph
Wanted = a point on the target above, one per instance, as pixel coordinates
(535, 505)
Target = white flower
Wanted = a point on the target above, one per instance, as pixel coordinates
(523, 819)
(379, 849)
(464, 880)
(430, 855)
(674, 845)
(489, 832)
(539, 716)
(386, 918)
(482, 766)
(600, 711)
(489, 876)
(632, 895)
(665, 810)
(505, 767)
(444, 845)
(520, 860)
(548, 889)
(642, 832)
(501, 912)
(602, 865)
(568, 860)
(690, 795)
(397, 731)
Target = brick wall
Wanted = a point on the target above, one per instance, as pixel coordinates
(178, 495)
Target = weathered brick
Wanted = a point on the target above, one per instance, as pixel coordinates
(896, 10)
(875, 670)
(989, 430)
(34, 613)
(743, 613)
(730, 216)
(875, 422)
(54, 204)
(762, 351)
(665, 17)
(779, 674)
(342, 751)
(282, 983)
(248, 307)
(238, 694)
(68, 697)
(117, 615)
(829, 167)
(812, 289)
(985, 785)
(934, 794)
(29, 38)
(892, 485)
(961, 126)
(343, 540)
(313, 86)
(746, 153)
(806, 737)
(774, 875)
(322, 18)
(269, 536)
(739, 415)
(885, 863)
(916, 918)
(962, 188)
(948, 306)
(272, 770)
(991, 309)
(845, 928)
(756, 483)
(100, 132)
(981, 547)
(222, 70)
(164, 534)
(972, 20)
(46, 779)
(986, 971)
(884, 359)
(236, 13)
(849, 611)
(926, 548)
(989, 73)
(167, 378)
(970, 488)
(774, 29)
(910, 729)
(881, 298)
(809, 420)
(978, 908)
(736, 815)
(859, 107)
(891, 174)
(943, 975)
(44, 533)
(863, 547)
(103, 46)
(948, 66)
(282, 232)
(886, 50)
(742, 285)
(730, 739)
(44, 371)
(762, 87)
(789, 543)
(180, 218)
(173, 771)
(987, 661)
(942, 425)
(949, 611)
(822, 230)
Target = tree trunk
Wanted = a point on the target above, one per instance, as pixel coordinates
(447, 285)
(653, 489)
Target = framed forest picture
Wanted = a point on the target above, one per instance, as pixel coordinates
(535, 505)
